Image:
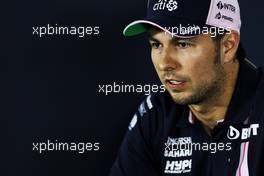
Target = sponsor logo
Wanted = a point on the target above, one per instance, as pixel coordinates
(225, 6)
(177, 167)
(220, 16)
(142, 109)
(244, 133)
(227, 18)
(177, 148)
(170, 5)
(133, 122)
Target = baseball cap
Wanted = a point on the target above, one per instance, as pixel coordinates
(186, 18)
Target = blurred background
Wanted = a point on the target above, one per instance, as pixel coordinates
(50, 84)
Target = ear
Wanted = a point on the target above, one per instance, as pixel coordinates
(230, 44)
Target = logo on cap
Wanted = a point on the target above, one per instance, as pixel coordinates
(218, 16)
(170, 5)
(220, 5)
(226, 6)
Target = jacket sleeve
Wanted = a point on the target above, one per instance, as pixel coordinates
(135, 157)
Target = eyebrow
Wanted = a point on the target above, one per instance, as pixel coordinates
(174, 39)
(151, 38)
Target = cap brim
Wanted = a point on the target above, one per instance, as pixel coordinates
(140, 26)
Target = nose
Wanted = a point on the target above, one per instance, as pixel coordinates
(168, 60)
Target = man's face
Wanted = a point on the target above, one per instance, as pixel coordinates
(189, 68)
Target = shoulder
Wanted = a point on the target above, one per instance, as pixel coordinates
(161, 101)
(260, 88)
(152, 110)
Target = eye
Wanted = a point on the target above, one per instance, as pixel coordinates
(155, 45)
(183, 44)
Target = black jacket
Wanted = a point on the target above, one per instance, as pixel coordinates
(166, 139)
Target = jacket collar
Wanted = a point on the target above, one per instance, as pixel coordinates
(244, 93)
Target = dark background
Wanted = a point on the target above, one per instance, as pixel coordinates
(50, 84)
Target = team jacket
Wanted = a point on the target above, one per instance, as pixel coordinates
(164, 138)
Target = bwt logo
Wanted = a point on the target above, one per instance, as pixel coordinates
(225, 6)
(245, 133)
(170, 5)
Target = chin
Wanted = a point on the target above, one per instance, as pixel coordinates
(185, 98)
(180, 99)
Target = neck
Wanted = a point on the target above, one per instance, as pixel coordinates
(213, 110)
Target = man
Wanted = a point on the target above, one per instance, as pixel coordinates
(209, 122)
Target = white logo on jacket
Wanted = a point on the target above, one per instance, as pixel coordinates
(178, 148)
(245, 133)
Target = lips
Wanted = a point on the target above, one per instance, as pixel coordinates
(177, 85)
(175, 82)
